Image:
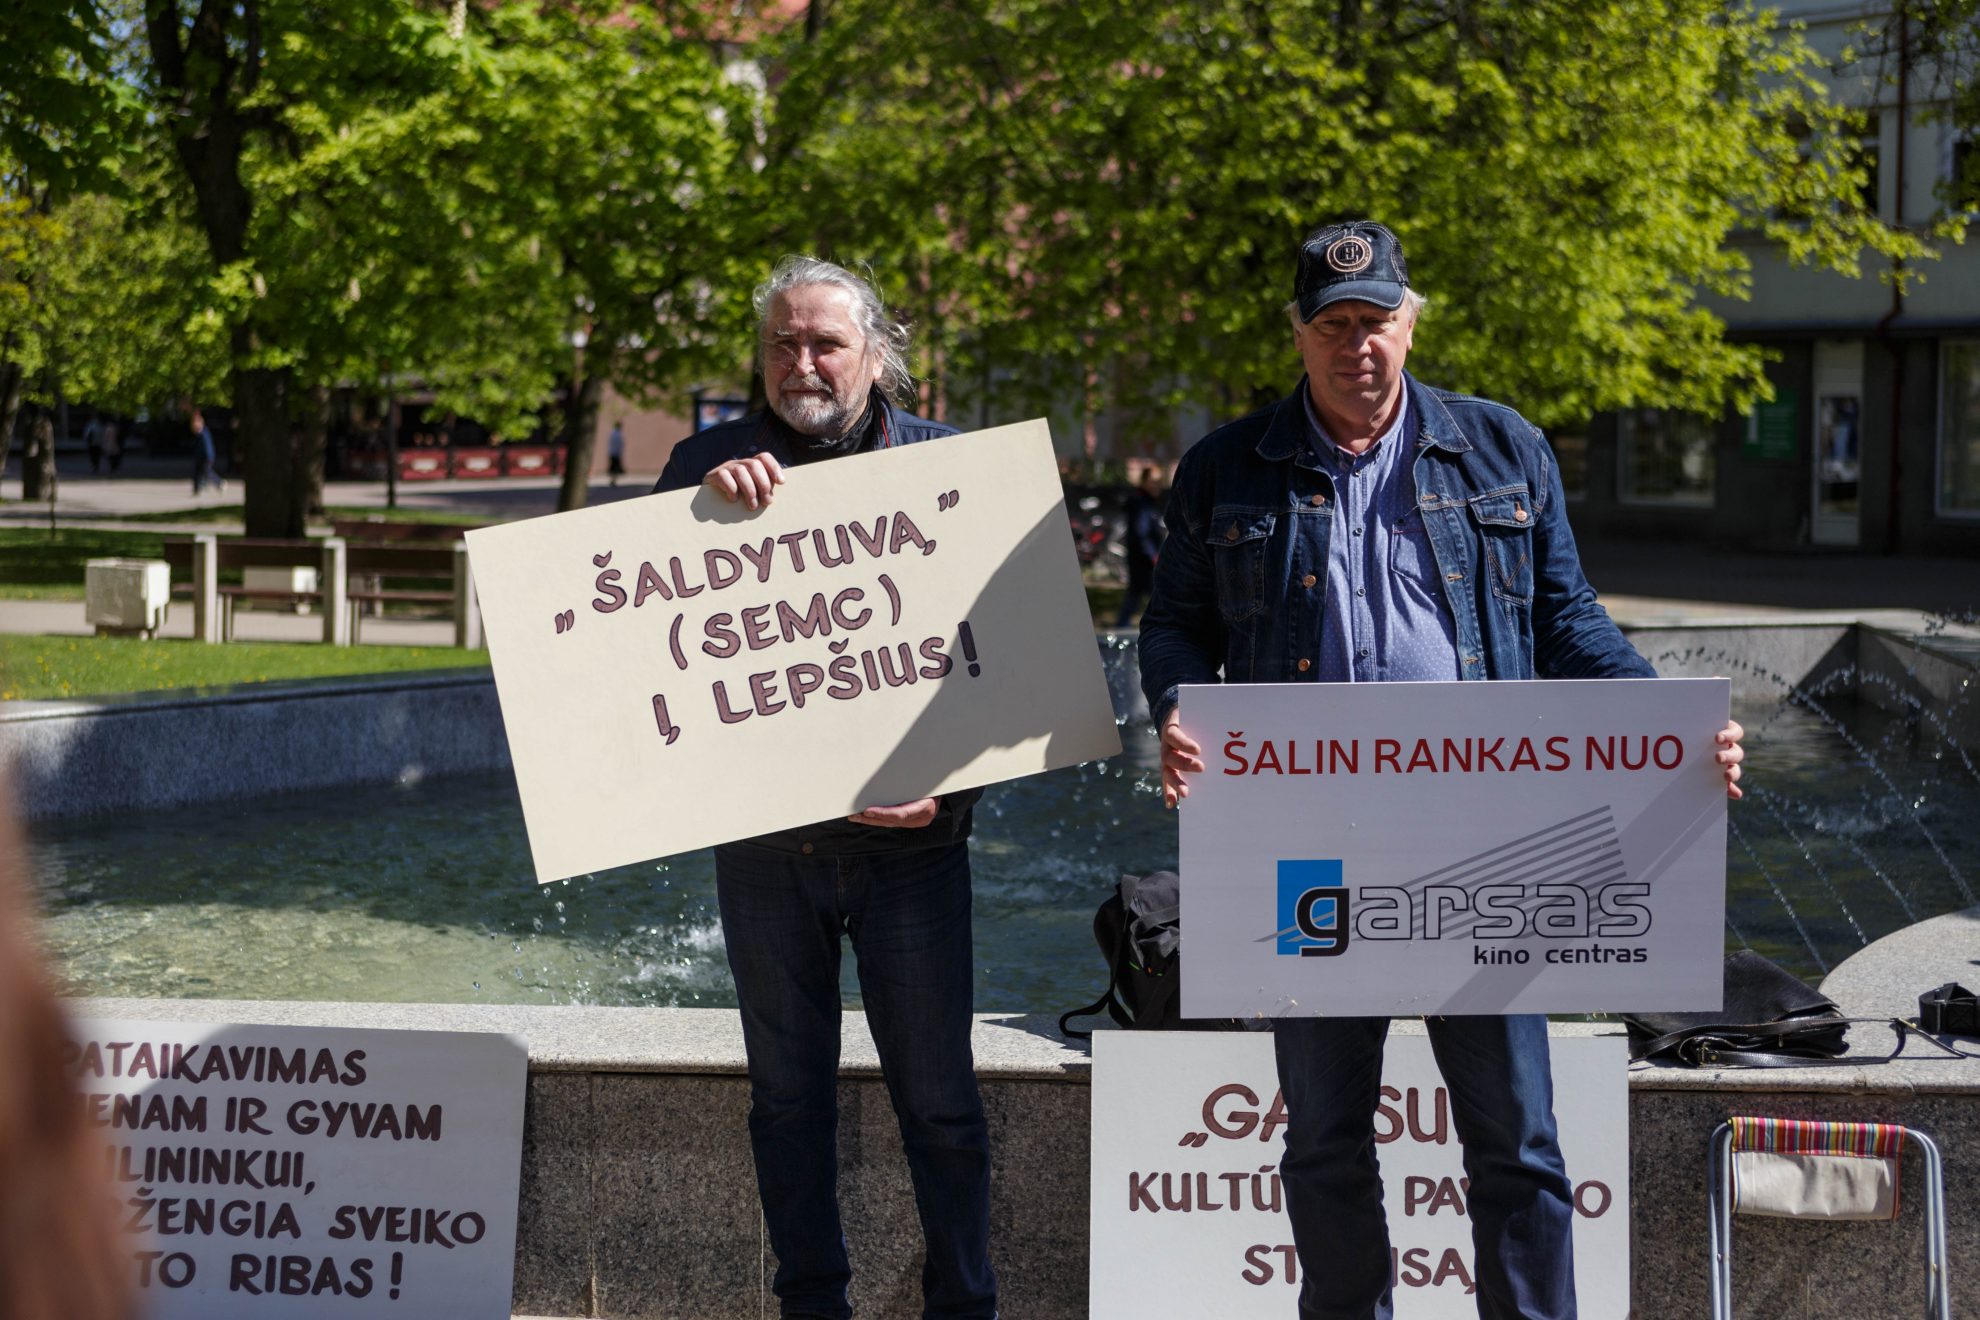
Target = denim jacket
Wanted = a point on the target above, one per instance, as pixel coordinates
(1243, 574)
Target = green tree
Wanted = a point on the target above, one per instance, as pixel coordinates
(611, 140)
(391, 189)
(1104, 198)
(65, 121)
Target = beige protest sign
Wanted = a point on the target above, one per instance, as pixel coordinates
(1187, 1210)
(309, 1173)
(678, 671)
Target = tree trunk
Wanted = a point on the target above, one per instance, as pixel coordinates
(10, 407)
(206, 71)
(580, 439)
(267, 475)
(38, 459)
(311, 443)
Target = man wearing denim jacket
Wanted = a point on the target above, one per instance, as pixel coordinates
(1369, 528)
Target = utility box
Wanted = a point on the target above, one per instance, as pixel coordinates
(126, 597)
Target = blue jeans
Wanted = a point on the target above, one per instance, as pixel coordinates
(1502, 1105)
(908, 914)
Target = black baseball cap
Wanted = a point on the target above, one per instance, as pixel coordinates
(1359, 260)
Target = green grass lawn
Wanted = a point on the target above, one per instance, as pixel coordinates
(36, 564)
(232, 514)
(36, 668)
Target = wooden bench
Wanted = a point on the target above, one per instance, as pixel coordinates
(372, 565)
(201, 559)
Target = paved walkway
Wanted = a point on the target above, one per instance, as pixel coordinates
(149, 487)
(146, 490)
(1642, 582)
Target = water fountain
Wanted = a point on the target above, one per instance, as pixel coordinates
(1863, 813)
(1862, 799)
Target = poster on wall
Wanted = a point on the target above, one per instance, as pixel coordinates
(309, 1173)
(678, 671)
(1407, 848)
(1187, 1207)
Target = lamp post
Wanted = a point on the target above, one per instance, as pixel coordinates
(577, 446)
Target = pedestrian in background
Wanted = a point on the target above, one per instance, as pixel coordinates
(615, 452)
(203, 469)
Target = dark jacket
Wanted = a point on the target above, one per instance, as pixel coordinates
(1251, 516)
(759, 433)
(692, 459)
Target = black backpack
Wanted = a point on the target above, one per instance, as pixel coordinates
(1139, 932)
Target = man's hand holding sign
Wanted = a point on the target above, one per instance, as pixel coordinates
(1370, 831)
(816, 671)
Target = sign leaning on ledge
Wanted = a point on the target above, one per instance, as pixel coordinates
(1188, 1211)
(310, 1173)
(678, 671)
(1390, 849)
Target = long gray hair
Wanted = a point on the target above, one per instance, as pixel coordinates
(884, 335)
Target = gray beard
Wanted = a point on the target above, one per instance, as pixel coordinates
(826, 419)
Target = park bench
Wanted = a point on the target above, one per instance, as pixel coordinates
(201, 560)
(380, 570)
(399, 551)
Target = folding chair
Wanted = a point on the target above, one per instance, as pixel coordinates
(1811, 1170)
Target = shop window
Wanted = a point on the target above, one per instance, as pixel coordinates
(1666, 456)
(1961, 184)
(1959, 429)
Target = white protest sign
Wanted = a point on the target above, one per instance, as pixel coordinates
(1187, 1208)
(677, 671)
(309, 1173)
(1405, 848)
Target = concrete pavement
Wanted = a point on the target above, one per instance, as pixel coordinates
(153, 486)
(144, 489)
(1642, 583)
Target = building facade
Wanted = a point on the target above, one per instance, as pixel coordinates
(1872, 440)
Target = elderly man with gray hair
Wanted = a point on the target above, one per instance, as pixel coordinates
(1368, 528)
(894, 876)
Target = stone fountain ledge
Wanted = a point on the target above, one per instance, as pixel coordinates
(146, 752)
(135, 753)
(1884, 979)
(638, 1199)
(579, 1039)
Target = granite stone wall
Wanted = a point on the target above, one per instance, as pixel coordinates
(146, 752)
(638, 1199)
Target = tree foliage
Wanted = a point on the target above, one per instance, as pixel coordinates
(515, 203)
(1111, 193)
(394, 190)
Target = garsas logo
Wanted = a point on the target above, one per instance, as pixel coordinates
(1314, 915)
(1567, 882)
